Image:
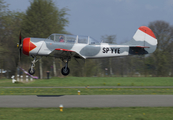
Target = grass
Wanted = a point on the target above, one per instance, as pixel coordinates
(90, 81)
(88, 91)
(134, 113)
(95, 81)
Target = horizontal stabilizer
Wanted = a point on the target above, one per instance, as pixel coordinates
(138, 50)
(140, 46)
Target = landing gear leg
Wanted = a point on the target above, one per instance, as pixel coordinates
(65, 70)
(31, 71)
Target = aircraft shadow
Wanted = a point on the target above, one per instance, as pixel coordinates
(49, 95)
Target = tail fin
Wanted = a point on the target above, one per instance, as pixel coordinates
(143, 41)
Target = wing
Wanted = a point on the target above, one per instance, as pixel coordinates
(65, 53)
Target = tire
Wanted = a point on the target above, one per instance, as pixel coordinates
(31, 72)
(65, 72)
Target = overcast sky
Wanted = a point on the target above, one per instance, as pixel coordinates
(97, 18)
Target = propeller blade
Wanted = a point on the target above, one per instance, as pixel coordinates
(20, 39)
(20, 46)
(20, 53)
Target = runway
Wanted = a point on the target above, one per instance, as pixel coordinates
(68, 101)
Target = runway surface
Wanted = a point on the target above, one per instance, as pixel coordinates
(68, 101)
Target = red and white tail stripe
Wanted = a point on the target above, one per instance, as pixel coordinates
(145, 34)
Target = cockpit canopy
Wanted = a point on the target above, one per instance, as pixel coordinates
(72, 39)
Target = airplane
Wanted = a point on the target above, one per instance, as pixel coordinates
(66, 46)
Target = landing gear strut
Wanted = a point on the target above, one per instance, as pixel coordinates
(31, 71)
(65, 70)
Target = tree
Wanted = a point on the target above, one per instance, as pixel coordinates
(164, 34)
(42, 19)
(12, 27)
(111, 39)
(9, 31)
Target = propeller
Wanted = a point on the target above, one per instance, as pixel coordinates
(19, 45)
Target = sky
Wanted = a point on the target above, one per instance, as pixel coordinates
(97, 18)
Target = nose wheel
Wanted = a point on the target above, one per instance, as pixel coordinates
(31, 71)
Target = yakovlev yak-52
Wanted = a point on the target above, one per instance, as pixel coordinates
(66, 47)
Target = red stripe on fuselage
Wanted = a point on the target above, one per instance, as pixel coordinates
(27, 46)
(64, 49)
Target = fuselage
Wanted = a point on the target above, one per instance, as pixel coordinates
(86, 47)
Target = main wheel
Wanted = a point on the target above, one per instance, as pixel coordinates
(31, 72)
(65, 71)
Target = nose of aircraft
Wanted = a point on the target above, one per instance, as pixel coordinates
(27, 46)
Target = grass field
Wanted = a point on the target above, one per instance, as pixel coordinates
(88, 91)
(95, 81)
(135, 113)
(89, 81)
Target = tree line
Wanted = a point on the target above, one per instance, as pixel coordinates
(43, 18)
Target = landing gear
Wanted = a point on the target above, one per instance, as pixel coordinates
(31, 71)
(65, 70)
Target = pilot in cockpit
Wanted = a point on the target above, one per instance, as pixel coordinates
(61, 38)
